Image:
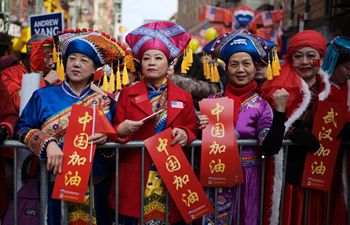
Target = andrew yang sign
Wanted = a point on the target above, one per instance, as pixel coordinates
(49, 24)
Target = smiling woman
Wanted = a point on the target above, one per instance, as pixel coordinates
(253, 120)
(154, 45)
(44, 120)
(308, 85)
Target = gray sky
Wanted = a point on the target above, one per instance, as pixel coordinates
(134, 12)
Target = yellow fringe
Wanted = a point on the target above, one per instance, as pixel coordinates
(112, 81)
(125, 76)
(119, 80)
(54, 54)
(105, 82)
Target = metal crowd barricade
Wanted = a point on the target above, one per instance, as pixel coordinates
(139, 144)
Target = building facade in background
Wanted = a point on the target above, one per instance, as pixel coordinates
(330, 17)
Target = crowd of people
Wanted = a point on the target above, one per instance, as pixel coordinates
(270, 105)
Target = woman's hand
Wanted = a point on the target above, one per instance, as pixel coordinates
(98, 138)
(128, 127)
(54, 156)
(203, 121)
(280, 98)
(180, 136)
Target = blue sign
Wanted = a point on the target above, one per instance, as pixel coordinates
(49, 24)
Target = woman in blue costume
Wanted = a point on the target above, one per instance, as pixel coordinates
(43, 123)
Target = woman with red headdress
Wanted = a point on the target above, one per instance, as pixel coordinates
(306, 83)
(155, 45)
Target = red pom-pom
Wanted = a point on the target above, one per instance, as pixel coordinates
(78, 30)
(84, 30)
(90, 29)
(113, 39)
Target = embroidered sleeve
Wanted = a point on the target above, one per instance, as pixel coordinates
(37, 142)
(28, 127)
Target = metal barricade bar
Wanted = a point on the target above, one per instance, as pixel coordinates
(140, 144)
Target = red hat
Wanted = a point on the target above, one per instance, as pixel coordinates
(299, 94)
(166, 36)
(37, 50)
(306, 38)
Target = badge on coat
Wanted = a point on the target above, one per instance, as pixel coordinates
(177, 105)
(141, 98)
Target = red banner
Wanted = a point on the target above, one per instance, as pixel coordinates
(71, 184)
(178, 176)
(220, 160)
(319, 166)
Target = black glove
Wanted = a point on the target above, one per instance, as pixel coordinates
(3, 134)
(305, 138)
(344, 134)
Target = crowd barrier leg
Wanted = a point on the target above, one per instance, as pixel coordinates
(43, 192)
(262, 190)
(116, 185)
(91, 198)
(15, 186)
(64, 213)
(285, 157)
(166, 206)
(142, 183)
(239, 187)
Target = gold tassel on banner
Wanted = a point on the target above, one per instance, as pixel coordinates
(54, 54)
(112, 80)
(119, 80)
(105, 82)
(125, 76)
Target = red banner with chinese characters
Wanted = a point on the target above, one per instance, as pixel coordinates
(71, 184)
(220, 160)
(319, 166)
(178, 176)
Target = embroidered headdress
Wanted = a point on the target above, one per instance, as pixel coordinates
(338, 46)
(228, 44)
(100, 47)
(166, 36)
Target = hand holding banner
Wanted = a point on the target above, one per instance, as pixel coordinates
(71, 184)
(178, 176)
(220, 160)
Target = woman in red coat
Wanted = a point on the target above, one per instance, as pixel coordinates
(307, 85)
(155, 47)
